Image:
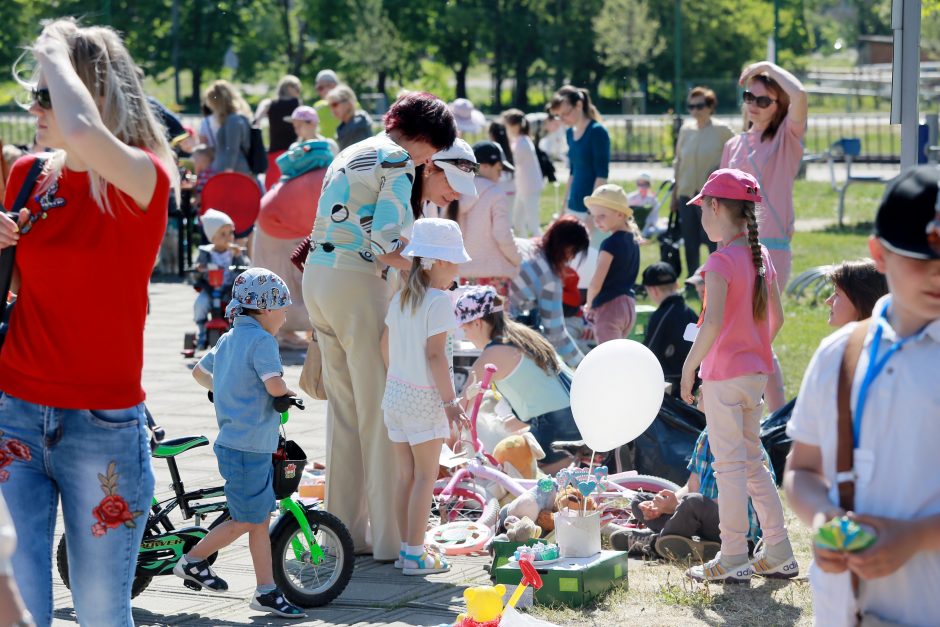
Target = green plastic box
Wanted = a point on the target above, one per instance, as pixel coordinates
(502, 551)
(573, 581)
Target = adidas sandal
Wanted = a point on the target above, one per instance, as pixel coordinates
(718, 572)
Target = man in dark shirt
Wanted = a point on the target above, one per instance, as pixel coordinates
(666, 328)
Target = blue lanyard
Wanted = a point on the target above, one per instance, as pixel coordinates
(875, 366)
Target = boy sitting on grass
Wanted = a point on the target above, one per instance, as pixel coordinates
(892, 428)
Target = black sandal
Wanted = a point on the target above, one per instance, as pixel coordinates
(274, 603)
(198, 575)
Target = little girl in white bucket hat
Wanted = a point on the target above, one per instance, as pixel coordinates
(420, 403)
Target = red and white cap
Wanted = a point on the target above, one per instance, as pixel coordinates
(730, 184)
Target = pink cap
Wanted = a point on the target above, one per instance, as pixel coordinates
(729, 183)
(304, 113)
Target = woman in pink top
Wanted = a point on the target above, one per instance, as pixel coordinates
(742, 315)
(770, 149)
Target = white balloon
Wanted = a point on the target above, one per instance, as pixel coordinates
(616, 393)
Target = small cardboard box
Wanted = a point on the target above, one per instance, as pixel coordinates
(573, 581)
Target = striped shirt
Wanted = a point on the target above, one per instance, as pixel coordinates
(537, 286)
(701, 464)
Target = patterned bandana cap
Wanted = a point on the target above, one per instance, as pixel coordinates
(475, 303)
(257, 288)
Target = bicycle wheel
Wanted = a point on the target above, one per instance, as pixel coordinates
(303, 580)
(464, 503)
(62, 564)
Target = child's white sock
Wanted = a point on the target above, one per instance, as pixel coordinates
(404, 548)
(265, 588)
(414, 551)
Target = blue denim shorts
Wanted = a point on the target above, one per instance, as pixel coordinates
(554, 426)
(249, 483)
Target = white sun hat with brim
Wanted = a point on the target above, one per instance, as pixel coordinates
(459, 165)
(468, 118)
(436, 238)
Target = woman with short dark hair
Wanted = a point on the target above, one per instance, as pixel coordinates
(698, 154)
(364, 205)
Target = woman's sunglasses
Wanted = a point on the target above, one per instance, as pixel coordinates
(696, 105)
(761, 101)
(42, 98)
(464, 165)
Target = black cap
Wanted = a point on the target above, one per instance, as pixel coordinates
(908, 220)
(489, 153)
(659, 273)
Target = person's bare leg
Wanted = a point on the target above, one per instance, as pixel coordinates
(259, 545)
(12, 608)
(405, 484)
(217, 539)
(426, 460)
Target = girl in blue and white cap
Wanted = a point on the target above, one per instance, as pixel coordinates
(420, 403)
(245, 375)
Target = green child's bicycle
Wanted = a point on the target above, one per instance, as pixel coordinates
(312, 550)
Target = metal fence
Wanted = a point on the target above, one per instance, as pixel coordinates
(649, 137)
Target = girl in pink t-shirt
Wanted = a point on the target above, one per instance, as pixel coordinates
(742, 315)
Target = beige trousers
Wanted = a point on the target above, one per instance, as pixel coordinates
(733, 410)
(347, 310)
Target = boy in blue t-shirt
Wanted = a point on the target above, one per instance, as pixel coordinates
(244, 373)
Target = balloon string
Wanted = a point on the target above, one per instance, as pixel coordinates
(590, 471)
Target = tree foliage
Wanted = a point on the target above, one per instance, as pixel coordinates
(381, 44)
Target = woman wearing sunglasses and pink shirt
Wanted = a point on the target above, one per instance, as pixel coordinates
(771, 148)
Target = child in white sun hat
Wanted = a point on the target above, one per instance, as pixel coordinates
(420, 403)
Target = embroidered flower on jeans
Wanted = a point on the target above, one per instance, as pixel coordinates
(11, 451)
(113, 510)
(19, 450)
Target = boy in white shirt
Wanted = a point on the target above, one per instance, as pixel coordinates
(895, 408)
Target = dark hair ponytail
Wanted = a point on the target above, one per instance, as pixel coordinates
(573, 95)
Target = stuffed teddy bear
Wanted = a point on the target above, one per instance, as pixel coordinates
(521, 529)
(571, 498)
(519, 454)
(484, 606)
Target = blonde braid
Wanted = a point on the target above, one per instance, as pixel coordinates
(760, 282)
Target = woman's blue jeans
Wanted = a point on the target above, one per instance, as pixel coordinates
(98, 463)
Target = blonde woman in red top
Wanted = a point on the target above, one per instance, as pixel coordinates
(71, 403)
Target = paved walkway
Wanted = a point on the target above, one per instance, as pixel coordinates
(377, 594)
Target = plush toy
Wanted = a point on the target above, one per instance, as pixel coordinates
(484, 606)
(533, 502)
(571, 498)
(519, 455)
(521, 529)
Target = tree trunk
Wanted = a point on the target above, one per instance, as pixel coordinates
(460, 75)
(380, 82)
(521, 96)
(197, 85)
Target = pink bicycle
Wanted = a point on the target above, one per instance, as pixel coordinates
(469, 494)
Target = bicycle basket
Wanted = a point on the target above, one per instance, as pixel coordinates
(289, 463)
